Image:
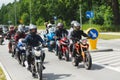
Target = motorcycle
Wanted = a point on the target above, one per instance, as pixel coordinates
(1, 39)
(13, 46)
(37, 60)
(82, 54)
(50, 40)
(21, 52)
(63, 49)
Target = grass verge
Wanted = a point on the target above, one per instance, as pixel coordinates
(108, 36)
(2, 75)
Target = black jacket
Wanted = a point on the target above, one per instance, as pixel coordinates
(77, 34)
(61, 33)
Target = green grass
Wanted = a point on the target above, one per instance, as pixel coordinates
(108, 36)
(2, 75)
(41, 27)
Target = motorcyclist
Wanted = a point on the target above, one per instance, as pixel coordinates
(32, 39)
(77, 34)
(50, 39)
(9, 36)
(20, 33)
(1, 35)
(60, 32)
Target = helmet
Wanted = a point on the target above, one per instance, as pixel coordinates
(49, 25)
(72, 23)
(60, 25)
(21, 28)
(11, 27)
(33, 29)
(76, 26)
(31, 26)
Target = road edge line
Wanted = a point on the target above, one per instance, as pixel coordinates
(108, 67)
(5, 72)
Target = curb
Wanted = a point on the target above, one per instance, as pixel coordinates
(102, 50)
(5, 72)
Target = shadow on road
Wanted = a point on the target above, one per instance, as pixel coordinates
(94, 67)
(52, 76)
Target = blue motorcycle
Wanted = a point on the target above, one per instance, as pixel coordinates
(21, 52)
(50, 39)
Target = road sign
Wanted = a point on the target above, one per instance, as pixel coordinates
(55, 17)
(93, 33)
(89, 14)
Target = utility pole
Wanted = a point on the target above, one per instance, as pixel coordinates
(15, 12)
(30, 12)
(80, 13)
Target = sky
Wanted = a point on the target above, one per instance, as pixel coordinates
(5, 2)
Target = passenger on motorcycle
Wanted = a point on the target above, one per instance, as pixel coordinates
(70, 31)
(77, 34)
(60, 32)
(32, 39)
(9, 36)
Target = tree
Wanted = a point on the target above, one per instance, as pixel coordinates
(116, 13)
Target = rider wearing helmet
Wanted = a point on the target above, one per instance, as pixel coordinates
(32, 39)
(60, 32)
(10, 34)
(20, 33)
(77, 34)
(21, 28)
(70, 31)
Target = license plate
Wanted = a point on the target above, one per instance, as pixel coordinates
(38, 61)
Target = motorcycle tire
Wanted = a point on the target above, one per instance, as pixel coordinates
(39, 70)
(23, 58)
(67, 55)
(59, 55)
(87, 61)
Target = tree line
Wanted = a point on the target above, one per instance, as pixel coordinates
(106, 12)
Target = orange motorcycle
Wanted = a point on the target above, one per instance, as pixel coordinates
(81, 54)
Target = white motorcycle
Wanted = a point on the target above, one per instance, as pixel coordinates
(38, 55)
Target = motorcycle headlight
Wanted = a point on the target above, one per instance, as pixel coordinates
(37, 53)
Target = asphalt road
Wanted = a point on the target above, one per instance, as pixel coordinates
(106, 65)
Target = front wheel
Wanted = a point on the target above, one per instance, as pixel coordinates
(88, 60)
(39, 70)
(67, 55)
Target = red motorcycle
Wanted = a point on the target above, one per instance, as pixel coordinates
(63, 49)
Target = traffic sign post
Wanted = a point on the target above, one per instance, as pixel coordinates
(93, 34)
(89, 15)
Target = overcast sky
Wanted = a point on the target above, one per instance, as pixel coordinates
(5, 2)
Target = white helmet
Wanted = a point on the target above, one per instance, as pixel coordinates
(72, 23)
(20, 28)
(31, 26)
(76, 24)
(49, 25)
